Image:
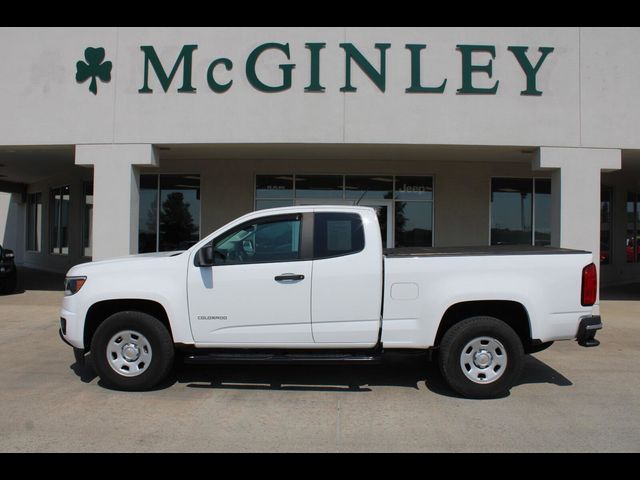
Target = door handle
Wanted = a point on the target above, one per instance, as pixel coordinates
(289, 277)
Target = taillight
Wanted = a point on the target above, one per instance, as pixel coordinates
(589, 285)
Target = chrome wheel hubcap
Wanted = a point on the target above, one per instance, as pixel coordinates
(129, 353)
(483, 360)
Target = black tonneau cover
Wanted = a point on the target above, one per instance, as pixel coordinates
(477, 251)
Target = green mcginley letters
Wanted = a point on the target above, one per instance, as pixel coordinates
(476, 64)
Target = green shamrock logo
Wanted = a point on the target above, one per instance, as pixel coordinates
(95, 67)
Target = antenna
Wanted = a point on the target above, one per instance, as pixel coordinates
(362, 196)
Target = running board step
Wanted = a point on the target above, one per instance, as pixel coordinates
(282, 359)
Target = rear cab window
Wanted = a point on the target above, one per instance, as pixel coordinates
(337, 234)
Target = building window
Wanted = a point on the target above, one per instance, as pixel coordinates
(320, 186)
(542, 212)
(87, 219)
(633, 225)
(606, 216)
(520, 211)
(60, 206)
(358, 187)
(274, 191)
(34, 222)
(404, 205)
(413, 212)
(169, 212)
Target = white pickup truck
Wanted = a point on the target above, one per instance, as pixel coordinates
(312, 285)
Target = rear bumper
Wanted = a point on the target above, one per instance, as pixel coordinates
(587, 330)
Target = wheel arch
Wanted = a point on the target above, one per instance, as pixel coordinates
(510, 312)
(100, 311)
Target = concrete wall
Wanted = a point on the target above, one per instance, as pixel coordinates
(589, 84)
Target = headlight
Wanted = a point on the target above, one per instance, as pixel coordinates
(72, 285)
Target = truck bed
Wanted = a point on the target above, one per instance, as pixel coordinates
(497, 250)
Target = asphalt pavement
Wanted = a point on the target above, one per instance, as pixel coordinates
(569, 399)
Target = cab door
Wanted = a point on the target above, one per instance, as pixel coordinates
(258, 292)
(346, 299)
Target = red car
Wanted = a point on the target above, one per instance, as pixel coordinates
(633, 253)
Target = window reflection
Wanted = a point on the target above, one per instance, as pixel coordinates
(179, 217)
(521, 211)
(633, 225)
(319, 186)
(414, 224)
(59, 241)
(87, 220)
(34, 222)
(274, 186)
(362, 187)
(148, 219)
(169, 212)
(542, 196)
(407, 212)
(511, 206)
(605, 225)
(414, 188)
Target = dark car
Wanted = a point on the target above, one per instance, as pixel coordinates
(8, 273)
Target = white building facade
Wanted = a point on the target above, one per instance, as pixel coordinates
(117, 141)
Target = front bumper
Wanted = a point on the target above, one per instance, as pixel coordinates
(587, 330)
(78, 353)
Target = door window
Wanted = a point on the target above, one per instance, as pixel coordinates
(267, 241)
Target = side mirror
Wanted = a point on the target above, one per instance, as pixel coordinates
(204, 257)
(247, 246)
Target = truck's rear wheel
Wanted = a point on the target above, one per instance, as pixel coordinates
(481, 357)
(132, 351)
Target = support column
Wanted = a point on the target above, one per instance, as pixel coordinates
(575, 194)
(116, 195)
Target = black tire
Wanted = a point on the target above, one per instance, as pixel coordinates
(464, 365)
(9, 284)
(150, 332)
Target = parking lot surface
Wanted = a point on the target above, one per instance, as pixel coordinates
(569, 399)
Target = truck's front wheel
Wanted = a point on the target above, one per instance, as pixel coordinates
(481, 357)
(132, 351)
